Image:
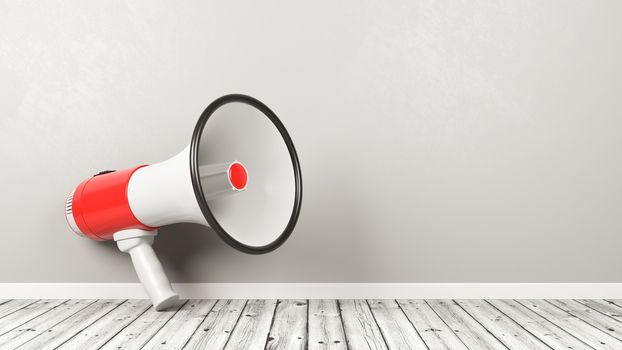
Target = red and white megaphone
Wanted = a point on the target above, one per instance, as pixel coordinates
(240, 176)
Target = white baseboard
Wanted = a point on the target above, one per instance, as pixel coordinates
(320, 290)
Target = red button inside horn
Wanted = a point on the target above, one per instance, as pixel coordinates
(238, 176)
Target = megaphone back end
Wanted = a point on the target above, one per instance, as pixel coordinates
(99, 207)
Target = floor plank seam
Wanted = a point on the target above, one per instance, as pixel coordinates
(411, 323)
(602, 313)
(554, 324)
(235, 325)
(377, 325)
(57, 323)
(614, 302)
(478, 322)
(343, 325)
(163, 324)
(124, 327)
(23, 307)
(30, 319)
(582, 320)
(307, 326)
(518, 323)
(87, 326)
(445, 322)
(278, 301)
(199, 325)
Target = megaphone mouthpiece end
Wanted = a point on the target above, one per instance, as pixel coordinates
(238, 176)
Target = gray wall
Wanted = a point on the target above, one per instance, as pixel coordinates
(441, 141)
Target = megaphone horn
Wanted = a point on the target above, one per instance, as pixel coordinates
(240, 175)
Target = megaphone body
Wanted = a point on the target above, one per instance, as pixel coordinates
(240, 176)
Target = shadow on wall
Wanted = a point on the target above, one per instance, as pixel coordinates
(189, 252)
(335, 211)
(177, 246)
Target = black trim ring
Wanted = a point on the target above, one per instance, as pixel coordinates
(196, 183)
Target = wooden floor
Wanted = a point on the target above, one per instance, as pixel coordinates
(312, 324)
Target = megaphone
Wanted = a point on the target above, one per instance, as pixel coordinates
(240, 176)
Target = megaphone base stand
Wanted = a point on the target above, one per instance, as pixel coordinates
(137, 243)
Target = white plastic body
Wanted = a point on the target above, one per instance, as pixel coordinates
(162, 193)
(137, 243)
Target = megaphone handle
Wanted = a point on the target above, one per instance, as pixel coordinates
(138, 243)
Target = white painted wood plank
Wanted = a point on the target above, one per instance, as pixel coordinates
(617, 302)
(26, 312)
(573, 325)
(537, 325)
(325, 327)
(61, 332)
(14, 305)
(560, 324)
(472, 334)
(4, 301)
(251, 331)
(593, 317)
(603, 306)
(432, 329)
(289, 326)
(505, 329)
(396, 329)
(215, 330)
(359, 325)
(98, 333)
(176, 332)
(50, 315)
(142, 329)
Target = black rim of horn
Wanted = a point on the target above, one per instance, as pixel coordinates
(196, 183)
